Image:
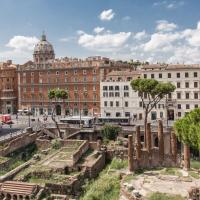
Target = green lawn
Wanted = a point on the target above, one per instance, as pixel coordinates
(195, 164)
(163, 196)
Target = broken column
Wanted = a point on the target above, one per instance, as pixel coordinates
(130, 153)
(173, 146)
(138, 143)
(160, 140)
(186, 157)
(148, 137)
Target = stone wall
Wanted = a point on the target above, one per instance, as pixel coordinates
(96, 167)
(18, 143)
(43, 144)
(80, 151)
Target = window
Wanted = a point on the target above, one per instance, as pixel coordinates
(57, 73)
(186, 74)
(170, 95)
(65, 80)
(110, 87)
(160, 75)
(40, 73)
(196, 96)
(105, 94)
(84, 88)
(24, 74)
(75, 87)
(111, 94)
(40, 80)
(196, 106)
(116, 87)
(178, 95)
(66, 72)
(105, 87)
(169, 75)
(24, 80)
(126, 103)
(195, 74)
(118, 114)
(32, 73)
(117, 94)
(126, 87)
(178, 75)
(126, 94)
(108, 114)
(145, 75)
(94, 71)
(84, 71)
(127, 114)
(94, 78)
(105, 103)
(187, 84)
(187, 95)
(117, 103)
(178, 84)
(32, 89)
(152, 75)
(94, 87)
(179, 106)
(75, 71)
(32, 80)
(140, 104)
(111, 103)
(84, 79)
(195, 84)
(179, 114)
(75, 79)
(187, 106)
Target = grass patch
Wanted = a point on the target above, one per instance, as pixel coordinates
(163, 196)
(118, 164)
(195, 164)
(194, 175)
(104, 187)
(171, 171)
(129, 178)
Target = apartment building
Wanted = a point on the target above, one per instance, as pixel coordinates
(118, 99)
(81, 78)
(8, 88)
(186, 97)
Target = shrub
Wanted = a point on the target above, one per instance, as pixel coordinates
(110, 132)
(56, 144)
(118, 163)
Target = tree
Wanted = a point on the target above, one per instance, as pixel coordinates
(110, 132)
(187, 129)
(57, 94)
(154, 91)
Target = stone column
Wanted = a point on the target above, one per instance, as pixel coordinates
(148, 138)
(160, 140)
(173, 146)
(138, 143)
(130, 153)
(186, 157)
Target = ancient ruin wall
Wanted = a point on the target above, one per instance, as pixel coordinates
(18, 143)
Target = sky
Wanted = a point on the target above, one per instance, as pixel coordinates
(146, 30)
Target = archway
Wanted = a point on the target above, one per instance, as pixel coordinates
(58, 110)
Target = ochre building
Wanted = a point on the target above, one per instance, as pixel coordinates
(8, 88)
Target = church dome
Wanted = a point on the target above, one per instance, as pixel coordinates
(43, 50)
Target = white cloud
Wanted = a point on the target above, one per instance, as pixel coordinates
(163, 25)
(98, 29)
(169, 4)
(67, 39)
(80, 32)
(107, 15)
(140, 35)
(126, 18)
(107, 42)
(22, 42)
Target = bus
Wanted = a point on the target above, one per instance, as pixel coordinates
(86, 121)
(113, 120)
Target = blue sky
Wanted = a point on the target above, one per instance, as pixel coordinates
(153, 30)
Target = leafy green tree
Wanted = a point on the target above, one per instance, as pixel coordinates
(110, 132)
(56, 94)
(154, 91)
(187, 129)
